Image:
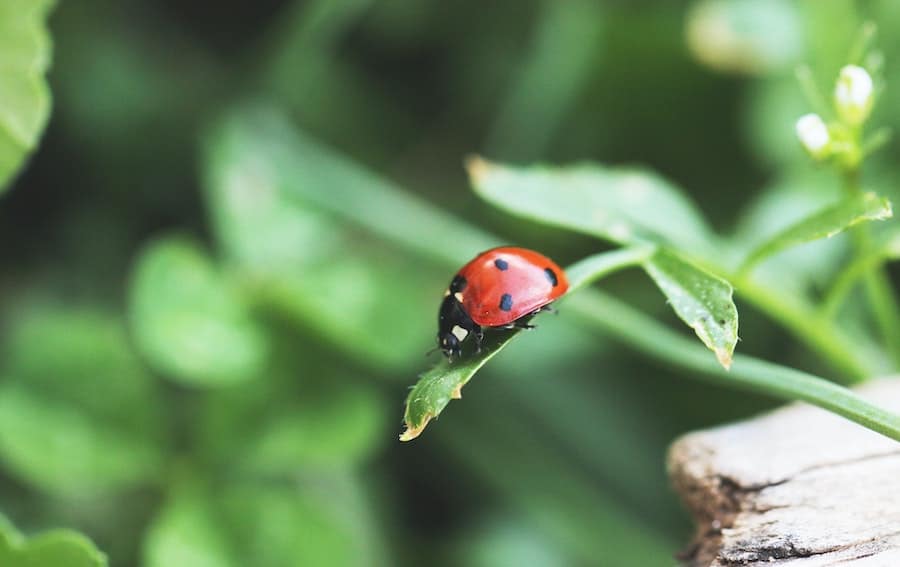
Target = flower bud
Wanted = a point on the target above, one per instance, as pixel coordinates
(853, 95)
(813, 134)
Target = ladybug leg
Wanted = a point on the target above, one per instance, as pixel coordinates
(478, 332)
(546, 308)
(521, 323)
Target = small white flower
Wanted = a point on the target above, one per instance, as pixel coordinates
(813, 134)
(853, 95)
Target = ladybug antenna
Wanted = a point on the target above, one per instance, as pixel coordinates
(430, 352)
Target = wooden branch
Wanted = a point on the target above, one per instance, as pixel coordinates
(799, 487)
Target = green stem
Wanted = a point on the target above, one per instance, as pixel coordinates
(800, 318)
(597, 266)
(646, 335)
(819, 334)
(881, 297)
(841, 287)
(812, 93)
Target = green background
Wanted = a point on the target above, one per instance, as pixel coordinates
(218, 283)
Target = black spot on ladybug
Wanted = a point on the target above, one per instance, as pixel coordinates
(458, 284)
(551, 275)
(506, 302)
(501, 264)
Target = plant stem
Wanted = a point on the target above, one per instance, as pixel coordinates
(646, 335)
(849, 277)
(800, 318)
(821, 335)
(882, 301)
(594, 267)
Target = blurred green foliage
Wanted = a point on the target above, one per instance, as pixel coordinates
(58, 547)
(223, 263)
(24, 55)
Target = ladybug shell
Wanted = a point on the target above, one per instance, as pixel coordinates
(506, 283)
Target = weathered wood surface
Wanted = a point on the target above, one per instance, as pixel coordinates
(798, 487)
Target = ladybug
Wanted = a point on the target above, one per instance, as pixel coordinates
(501, 288)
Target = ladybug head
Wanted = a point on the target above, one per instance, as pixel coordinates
(454, 326)
(449, 345)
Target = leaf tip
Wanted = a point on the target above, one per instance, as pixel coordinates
(477, 167)
(724, 356)
(411, 431)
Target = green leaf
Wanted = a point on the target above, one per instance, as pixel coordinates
(703, 301)
(63, 450)
(186, 532)
(786, 202)
(263, 191)
(188, 321)
(78, 414)
(271, 151)
(544, 91)
(624, 205)
(444, 382)
(55, 548)
(323, 522)
(745, 37)
(80, 354)
(312, 520)
(825, 223)
(288, 425)
(357, 303)
(25, 50)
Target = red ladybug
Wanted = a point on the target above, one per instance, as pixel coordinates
(503, 287)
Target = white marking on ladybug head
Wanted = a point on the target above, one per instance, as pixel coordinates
(446, 292)
(459, 333)
(459, 296)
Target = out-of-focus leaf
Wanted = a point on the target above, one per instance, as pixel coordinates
(188, 321)
(444, 382)
(562, 59)
(315, 521)
(81, 355)
(772, 108)
(336, 426)
(363, 299)
(257, 227)
(624, 205)
(745, 37)
(62, 450)
(781, 205)
(187, 532)
(56, 548)
(78, 415)
(825, 223)
(372, 306)
(306, 524)
(25, 50)
(700, 299)
(265, 148)
(290, 426)
(509, 541)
